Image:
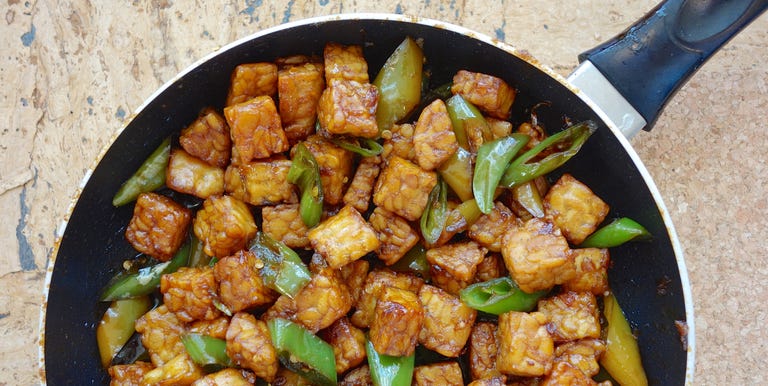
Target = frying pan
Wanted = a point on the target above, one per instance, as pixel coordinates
(649, 279)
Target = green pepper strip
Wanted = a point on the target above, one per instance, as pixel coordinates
(149, 177)
(146, 280)
(207, 351)
(527, 195)
(519, 171)
(118, 325)
(622, 355)
(415, 260)
(500, 295)
(457, 173)
(618, 232)
(389, 370)
(305, 173)
(197, 256)
(463, 114)
(283, 269)
(371, 149)
(492, 161)
(434, 216)
(399, 84)
(303, 352)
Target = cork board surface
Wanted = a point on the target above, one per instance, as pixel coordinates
(73, 72)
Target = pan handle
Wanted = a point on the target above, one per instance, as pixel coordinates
(653, 58)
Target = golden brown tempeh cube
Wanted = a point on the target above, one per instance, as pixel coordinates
(483, 351)
(284, 223)
(445, 281)
(336, 167)
(360, 376)
(571, 315)
(299, 89)
(224, 225)
(216, 328)
(343, 238)
(433, 138)
(491, 267)
(226, 377)
(250, 80)
(354, 275)
(348, 344)
(347, 107)
(158, 226)
(459, 259)
(490, 94)
(161, 332)
(374, 283)
(345, 62)
(574, 208)
(250, 346)
(128, 375)
(398, 319)
(499, 380)
(447, 321)
(181, 370)
(360, 189)
(590, 271)
(284, 307)
(261, 182)
(190, 175)
(537, 255)
(583, 354)
(256, 131)
(395, 234)
(563, 373)
(190, 293)
(525, 346)
(403, 188)
(207, 138)
(325, 299)
(240, 284)
(489, 229)
(398, 141)
(499, 128)
(438, 374)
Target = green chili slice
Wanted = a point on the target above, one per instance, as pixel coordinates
(616, 233)
(457, 173)
(369, 148)
(197, 256)
(500, 295)
(387, 370)
(434, 216)
(305, 173)
(622, 355)
(150, 175)
(399, 84)
(283, 269)
(146, 280)
(464, 116)
(415, 260)
(528, 196)
(117, 325)
(207, 351)
(519, 171)
(303, 352)
(492, 160)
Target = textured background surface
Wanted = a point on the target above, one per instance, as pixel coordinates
(73, 72)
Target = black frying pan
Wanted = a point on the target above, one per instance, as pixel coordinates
(649, 279)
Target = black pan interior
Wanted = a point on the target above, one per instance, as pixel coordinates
(644, 276)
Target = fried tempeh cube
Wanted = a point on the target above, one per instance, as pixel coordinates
(499, 380)
(483, 351)
(490, 94)
(284, 307)
(433, 138)
(343, 238)
(574, 208)
(491, 267)
(403, 188)
(395, 234)
(438, 374)
(583, 354)
(537, 255)
(207, 138)
(447, 321)
(499, 127)
(284, 223)
(345, 62)
(240, 284)
(224, 225)
(349, 108)
(459, 259)
(181, 370)
(250, 345)
(524, 346)
(348, 344)
(336, 167)
(158, 226)
(571, 315)
(256, 130)
(360, 376)
(590, 271)
(190, 293)
(398, 141)
(490, 228)
(374, 283)
(445, 281)
(398, 321)
(250, 80)
(226, 377)
(325, 299)
(128, 375)
(299, 89)
(161, 332)
(190, 175)
(261, 182)
(360, 189)
(563, 373)
(216, 328)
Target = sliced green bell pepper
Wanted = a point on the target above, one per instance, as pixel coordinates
(389, 370)
(283, 269)
(457, 173)
(500, 295)
(618, 232)
(207, 351)
(399, 84)
(622, 354)
(528, 196)
(303, 352)
(150, 175)
(415, 260)
(117, 325)
(305, 173)
(492, 160)
(465, 116)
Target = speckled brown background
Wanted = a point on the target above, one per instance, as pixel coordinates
(73, 71)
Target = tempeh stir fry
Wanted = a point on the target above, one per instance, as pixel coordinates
(354, 231)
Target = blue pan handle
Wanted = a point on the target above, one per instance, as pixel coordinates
(653, 58)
